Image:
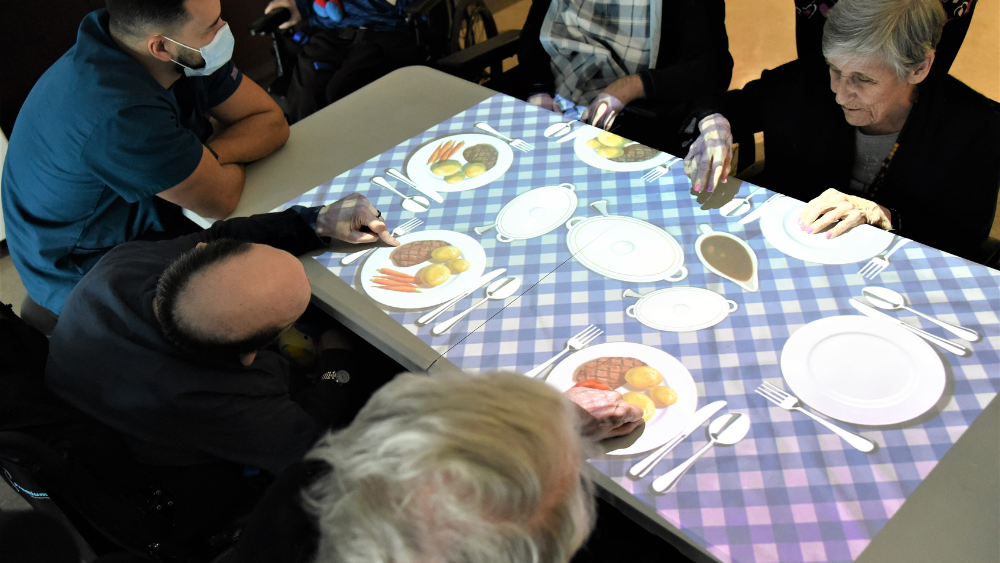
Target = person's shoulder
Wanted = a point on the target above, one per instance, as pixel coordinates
(959, 107)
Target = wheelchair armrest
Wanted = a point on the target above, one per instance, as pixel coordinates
(420, 8)
(481, 55)
(990, 253)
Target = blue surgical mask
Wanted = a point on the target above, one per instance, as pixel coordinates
(216, 53)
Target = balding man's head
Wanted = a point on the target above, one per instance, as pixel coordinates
(230, 298)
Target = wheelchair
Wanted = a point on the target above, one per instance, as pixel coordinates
(80, 473)
(440, 28)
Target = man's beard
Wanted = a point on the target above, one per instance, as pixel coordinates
(191, 59)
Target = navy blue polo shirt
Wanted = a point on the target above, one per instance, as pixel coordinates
(97, 138)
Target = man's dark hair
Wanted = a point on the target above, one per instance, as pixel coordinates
(133, 18)
(171, 285)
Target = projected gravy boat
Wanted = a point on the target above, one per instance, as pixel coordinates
(728, 256)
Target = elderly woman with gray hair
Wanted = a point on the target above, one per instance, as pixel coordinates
(876, 136)
(444, 468)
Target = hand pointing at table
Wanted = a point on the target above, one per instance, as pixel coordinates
(353, 219)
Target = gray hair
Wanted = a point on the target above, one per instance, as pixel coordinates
(899, 32)
(455, 468)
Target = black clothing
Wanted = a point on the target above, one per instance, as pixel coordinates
(693, 57)
(942, 183)
(109, 358)
(335, 63)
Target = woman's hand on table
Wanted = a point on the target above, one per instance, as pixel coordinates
(353, 219)
(604, 414)
(832, 206)
(295, 18)
(710, 157)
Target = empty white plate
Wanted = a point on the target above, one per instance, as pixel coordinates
(625, 248)
(862, 371)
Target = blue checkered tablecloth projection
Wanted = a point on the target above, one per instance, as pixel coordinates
(791, 490)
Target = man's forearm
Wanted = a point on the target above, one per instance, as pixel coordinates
(251, 138)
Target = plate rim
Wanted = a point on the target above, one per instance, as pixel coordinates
(771, 226)
(689, 379)
(939, 377)
(442, 186)
(477, 271)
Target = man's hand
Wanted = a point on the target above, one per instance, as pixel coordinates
(604, 413)
(353, 219)
(295, 18)
(851, 211)
(601, 113)
(711, 155)
(544, 101)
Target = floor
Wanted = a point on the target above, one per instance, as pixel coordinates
(754, 47)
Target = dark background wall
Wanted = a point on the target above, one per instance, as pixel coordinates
(34, 34)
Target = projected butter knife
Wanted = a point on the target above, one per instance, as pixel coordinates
(756, 213)
(874, 313)
(706, 412)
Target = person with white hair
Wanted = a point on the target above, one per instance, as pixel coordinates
(877, 136)
(444, 468)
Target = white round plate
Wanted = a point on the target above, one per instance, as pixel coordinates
(681, 309)
(431, 296)
(420, 172)
(625, 248)
(589, 156)
(668, 421)
(535, 213)
(780, 226)
(862, 371)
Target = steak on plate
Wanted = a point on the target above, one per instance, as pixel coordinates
(636, 153)
(415, 252)
(483, 154)
(609, 370)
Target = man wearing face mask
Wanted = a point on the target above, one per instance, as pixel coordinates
(115, 135)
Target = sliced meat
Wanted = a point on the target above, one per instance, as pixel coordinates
(608, 370)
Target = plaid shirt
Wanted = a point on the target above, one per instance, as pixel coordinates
(592, 43)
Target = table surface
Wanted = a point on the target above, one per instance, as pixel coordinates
(790, 491)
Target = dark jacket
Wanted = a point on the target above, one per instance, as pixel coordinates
(693, 59)
(942, 183)
(108, 357)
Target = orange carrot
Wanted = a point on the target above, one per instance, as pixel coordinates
(391, 281)
(451, 152)
(395, 274)
(435, 154)
(445, 150)
(399, 289)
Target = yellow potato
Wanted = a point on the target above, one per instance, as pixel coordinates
(435, 274)
(594, 144)
(642, 401)
(474, 169)
(445, 253)
(458, 266)
(611, 140)
(610, 152)
(446, 167)
(643, 377)
(455, 178)
(663, 396)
